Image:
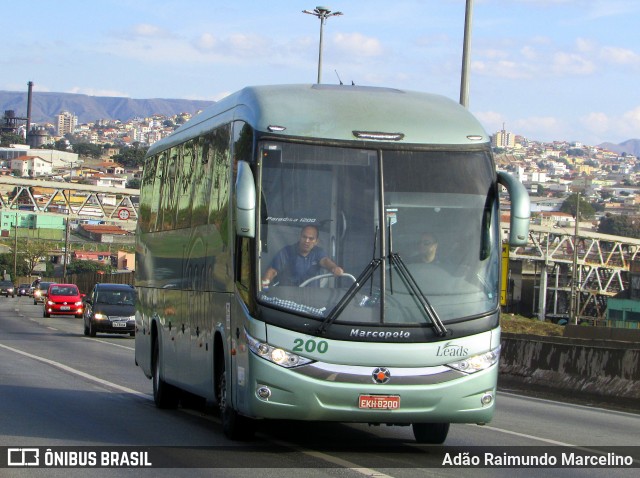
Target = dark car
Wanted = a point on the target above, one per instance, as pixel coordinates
(7, 288)
(23, 289)
(110, 308)
(40, 292)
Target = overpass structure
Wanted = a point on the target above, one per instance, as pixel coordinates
(71, 200)
(578, 270)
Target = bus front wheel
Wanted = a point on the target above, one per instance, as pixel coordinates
(234, 425)
(432, 433)
(164, 395)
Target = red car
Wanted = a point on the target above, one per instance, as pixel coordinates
(63, 299)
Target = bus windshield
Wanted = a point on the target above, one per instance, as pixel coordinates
(376, 214)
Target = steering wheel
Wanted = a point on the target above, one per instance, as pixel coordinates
(324, 276)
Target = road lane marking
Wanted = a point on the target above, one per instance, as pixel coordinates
(322, 456)
(334, 460)
(111, 343)
(79, 373)
(546, 440)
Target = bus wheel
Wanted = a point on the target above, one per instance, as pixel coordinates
(234, 425)
(165, 395)
(433, 433)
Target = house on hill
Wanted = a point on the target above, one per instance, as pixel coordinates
(100, 257)
(31, 166)
(106, 233)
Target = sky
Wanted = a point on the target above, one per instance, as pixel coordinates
(549, 70)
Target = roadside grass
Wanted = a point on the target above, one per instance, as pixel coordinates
(517, 324)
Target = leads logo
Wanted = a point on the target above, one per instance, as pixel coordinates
(452, 350)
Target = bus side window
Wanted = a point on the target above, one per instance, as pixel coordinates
(220, 187)
(156, 194)
(185, 186)
(170, 190)
(202, 183)
(146, 192)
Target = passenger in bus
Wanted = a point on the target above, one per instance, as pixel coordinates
(427, 249)
(295, 263)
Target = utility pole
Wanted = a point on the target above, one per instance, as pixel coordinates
(322, 13)
(574, 306)
(15, 252)
(66, 241)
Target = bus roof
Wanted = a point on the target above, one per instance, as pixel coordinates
(335, 112)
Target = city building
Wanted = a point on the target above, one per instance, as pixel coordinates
(503, 139)
(67, 123)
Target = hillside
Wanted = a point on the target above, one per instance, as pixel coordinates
(631, 146)
(46, 106)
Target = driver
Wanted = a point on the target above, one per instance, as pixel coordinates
(295, 263)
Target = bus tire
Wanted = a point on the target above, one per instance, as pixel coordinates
(164, 395)
(234, 425)
(432, 433)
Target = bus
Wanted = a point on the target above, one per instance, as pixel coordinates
(364, 174)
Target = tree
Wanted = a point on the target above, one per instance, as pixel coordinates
(131, 157)
(569, 206)
(618, 225)
(32, 252)
(88, 149)
(575, 152)
(133, 183)
(7, 139)
(7, 262)
(79, 267)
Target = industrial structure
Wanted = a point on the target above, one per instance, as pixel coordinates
(575, 272)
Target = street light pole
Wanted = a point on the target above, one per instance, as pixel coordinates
(322, 13)
(464, 77)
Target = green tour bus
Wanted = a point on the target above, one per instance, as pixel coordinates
(285, 259)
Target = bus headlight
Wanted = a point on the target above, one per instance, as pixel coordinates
(477, 363)
(275, 355)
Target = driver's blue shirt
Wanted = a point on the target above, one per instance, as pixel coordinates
(294, 268)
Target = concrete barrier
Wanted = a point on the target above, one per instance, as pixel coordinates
(605, 368)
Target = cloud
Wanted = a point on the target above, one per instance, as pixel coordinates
(358, 44)
(147, 30)
(508, 69)
(205, 42)
(571, 64)
(613, 128)
(83, 90)
(620, 56)
(491, 120)
(541, 127)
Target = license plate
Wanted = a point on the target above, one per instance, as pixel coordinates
(379, 402)
(119, 324)
(65, 307)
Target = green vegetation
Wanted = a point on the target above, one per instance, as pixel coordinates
(619, 225)
(517, 324)
(570, 204)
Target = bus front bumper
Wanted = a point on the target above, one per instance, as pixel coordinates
(429, 395)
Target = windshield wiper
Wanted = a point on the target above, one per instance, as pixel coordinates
(350, 294)
(408, 279)
(414, 288)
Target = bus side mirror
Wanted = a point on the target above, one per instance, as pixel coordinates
(245, 201)
(520, 209)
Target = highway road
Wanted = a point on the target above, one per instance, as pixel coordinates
(59, 388)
